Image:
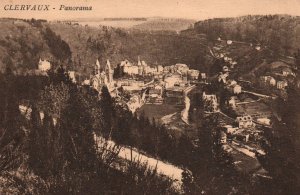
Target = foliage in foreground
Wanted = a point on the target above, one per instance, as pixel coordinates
(55, 152)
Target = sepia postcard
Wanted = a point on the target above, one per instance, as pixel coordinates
(150, 97)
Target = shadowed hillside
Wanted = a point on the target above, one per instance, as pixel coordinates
(23, 42)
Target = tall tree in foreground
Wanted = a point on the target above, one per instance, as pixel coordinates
(279, 161)
(108, 112)
(283, 147)
(9, 107)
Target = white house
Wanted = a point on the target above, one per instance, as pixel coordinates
(203, 75)
(86, 82)
(244, 121)
(271, 81)
(231, 82)
(258, 48)
(172, 79)
(232, 102)
(193, 74)
(149, 70)
(160, 68)
(229, 42)
(236, 89)
(268, 80)
(281, 84)
(287, 71)
(128, 68)
(223, 139)
(156, 92)
(72, 76)
(264, 121)
(183, 68)
(229, 129)
(44, 65)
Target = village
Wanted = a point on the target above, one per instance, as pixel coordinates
(243, 115)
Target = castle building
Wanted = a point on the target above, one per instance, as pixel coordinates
(130, 69)
(172, 79)
(141, 68)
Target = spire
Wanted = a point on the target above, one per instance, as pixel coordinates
(98, 64)
(108, 72)
(139, 61)
(108, 64)
(97, 68)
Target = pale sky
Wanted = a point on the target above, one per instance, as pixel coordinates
(192, 9)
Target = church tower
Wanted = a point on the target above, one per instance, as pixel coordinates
(95, 78)
(108, 72)
(139, 61)
(140, 68)
(97, 68)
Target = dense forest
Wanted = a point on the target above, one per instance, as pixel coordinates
(24, 42)
(280, 33)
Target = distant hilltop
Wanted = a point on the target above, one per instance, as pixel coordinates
(125, 19)
(138, 23)
(158, 18)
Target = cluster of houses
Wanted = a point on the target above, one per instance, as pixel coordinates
(178, 71)
(269, 81)
(141, 68)
(210, 101)
(143, 83)
(279, 78)
(231, 85)
(243, 131)
(156, 84)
